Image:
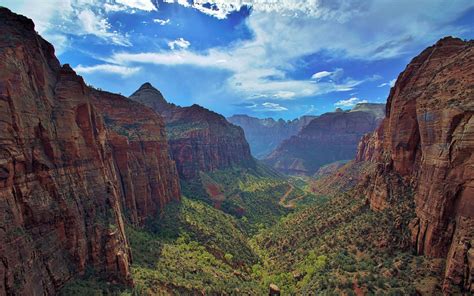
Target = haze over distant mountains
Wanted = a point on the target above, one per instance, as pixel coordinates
(328, 138)
(264, 135)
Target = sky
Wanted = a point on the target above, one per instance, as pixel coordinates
(264, 58)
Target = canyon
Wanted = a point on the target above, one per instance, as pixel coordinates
(199, 139)
(67, 157)
(104, 194)
(328, 138)
(264, 135)
(424, 148)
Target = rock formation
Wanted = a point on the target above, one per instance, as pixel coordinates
(328, 138)
(64, 169)
(425, 148)
(264, 135)
(200, 140)
(147, 175)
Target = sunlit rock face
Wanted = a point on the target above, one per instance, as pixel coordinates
(328, 138)
(200, 140)
(427, 139)
(65, 165)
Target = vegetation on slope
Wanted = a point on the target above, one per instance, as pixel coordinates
(192, 248)
(339, 246)
(330, 244)
(250, 194)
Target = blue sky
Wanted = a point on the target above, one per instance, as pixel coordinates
(266, 58)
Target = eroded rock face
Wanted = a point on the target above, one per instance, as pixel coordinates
(147, 177)
(427, 139)
(264, 135)
(62, 200)
(328, 138)
(200, 140)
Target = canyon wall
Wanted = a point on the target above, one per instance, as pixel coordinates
(65, 169)
(200, 140)
(328, 138)
(424, 147)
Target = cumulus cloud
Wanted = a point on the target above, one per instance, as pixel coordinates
(161, 22)
(306, 23)
(349, 102)
(107, 68)
(262, 66)
(315, 8)
(179, 43)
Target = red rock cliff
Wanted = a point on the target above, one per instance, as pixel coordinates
(328, 138)
(200, 140)
(63, 172)
(427, 140)
(148, 178)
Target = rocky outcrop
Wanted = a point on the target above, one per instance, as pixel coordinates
(264, 135)
(426, 144)
(147, 176)
(328, 138)
(200, 140)
(62, 192)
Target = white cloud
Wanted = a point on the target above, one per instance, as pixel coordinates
(391, 83)
(321, 74)
(94, 24)
(161, 22)
(107, 68)
(333, 74)
(253, 75)
(179, 43)
(222, 8)
(56, 19)
(349, 102)
(272, 107)
(263, 65)
(306, 23)
(145, 5)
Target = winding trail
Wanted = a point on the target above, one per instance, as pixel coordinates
(292, 203)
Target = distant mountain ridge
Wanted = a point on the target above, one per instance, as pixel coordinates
(264, 135)
(200, 139)
(331, 137)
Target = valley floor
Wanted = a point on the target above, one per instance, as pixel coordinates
(272, 230)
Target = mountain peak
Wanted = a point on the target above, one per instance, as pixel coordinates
(147, 85)
(150, 96)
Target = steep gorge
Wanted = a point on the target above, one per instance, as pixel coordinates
(264, 135)
(328, 138)
(424, 148)
(66, 158)
(200, 140)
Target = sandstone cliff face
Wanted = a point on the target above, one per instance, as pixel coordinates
(147, 177)
(61, 197)
(328, 138)
(427, 143)
(200, 140)
(264, 135)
